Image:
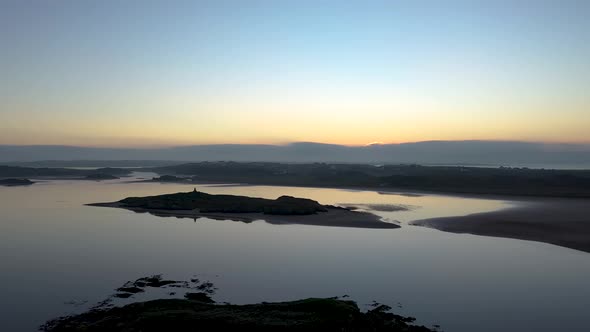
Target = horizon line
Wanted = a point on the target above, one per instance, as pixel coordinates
(286, 144)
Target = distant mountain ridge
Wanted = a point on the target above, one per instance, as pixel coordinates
(472, 152)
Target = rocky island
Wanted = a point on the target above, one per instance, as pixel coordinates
(283, 210)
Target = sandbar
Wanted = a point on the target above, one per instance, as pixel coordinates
(562, 222)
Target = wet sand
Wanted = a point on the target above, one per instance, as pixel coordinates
(333, 217)
(562, 222)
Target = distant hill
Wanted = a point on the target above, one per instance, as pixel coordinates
(432, 152)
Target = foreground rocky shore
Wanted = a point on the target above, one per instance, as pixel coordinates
(197, 311)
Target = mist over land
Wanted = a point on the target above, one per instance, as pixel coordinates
(472, 152)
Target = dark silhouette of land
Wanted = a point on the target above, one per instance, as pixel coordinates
(203, 202)
(449, 179)
(199, 312)
(49, 172)
(312, 314)
(100, 177)
(15, 182)
(283, 210)
(91, 163)
(170, 178)
(446, 179)
(563, 222)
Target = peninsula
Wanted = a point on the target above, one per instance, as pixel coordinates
(15, 182)
(62, 173)
(283, 210)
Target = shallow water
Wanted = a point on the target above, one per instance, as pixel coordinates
(54, 250)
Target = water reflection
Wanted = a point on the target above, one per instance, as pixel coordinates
(54, 250)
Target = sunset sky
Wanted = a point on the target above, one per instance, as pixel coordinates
(158, 73)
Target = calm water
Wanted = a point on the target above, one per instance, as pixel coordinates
(54, 250)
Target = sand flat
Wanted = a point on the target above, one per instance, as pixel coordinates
(562, 222)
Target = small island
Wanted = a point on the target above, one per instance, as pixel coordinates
(169, 178)
(101, 176)
(283, 210)
(15, 182)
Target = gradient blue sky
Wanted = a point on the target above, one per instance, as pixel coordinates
(140, 73)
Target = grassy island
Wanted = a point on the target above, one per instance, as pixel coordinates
(203, 202)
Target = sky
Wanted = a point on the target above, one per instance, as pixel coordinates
(163, 73)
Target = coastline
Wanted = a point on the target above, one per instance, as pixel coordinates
(561, 222)
(402, 191)
(333, 217)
